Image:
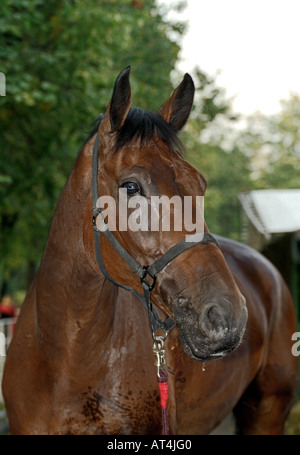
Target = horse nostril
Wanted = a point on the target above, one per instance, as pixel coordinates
(212, 319)
(216, 319)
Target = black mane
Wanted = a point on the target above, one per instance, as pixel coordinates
(142, 124)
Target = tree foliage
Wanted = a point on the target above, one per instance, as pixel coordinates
(273, 144)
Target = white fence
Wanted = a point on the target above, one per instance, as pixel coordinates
(7, 326)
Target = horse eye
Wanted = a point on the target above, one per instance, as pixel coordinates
(132, 188)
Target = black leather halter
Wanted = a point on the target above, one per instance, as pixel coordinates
(147, 274)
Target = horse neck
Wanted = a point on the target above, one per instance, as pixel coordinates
(76, 306)
(69, 288)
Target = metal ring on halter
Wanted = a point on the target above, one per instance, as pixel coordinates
(159, 339)
(103, 226)
(146, 273)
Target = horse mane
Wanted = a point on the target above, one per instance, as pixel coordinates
(142, 125)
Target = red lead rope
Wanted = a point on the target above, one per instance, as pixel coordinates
(162, 377)
(164, 393)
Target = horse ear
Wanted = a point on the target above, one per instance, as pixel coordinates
(119, 105)
(177, 108)
(121, 100)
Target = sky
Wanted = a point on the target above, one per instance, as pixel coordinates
(251, 47)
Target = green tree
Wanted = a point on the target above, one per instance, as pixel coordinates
(273, 145)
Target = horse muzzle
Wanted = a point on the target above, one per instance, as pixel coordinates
(213, 332)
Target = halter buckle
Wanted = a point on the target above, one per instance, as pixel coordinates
(150, 286)
(103, 225)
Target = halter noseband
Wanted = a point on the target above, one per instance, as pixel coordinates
(147, 274)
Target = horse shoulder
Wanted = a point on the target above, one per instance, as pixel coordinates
(257, 276)
(271, 321)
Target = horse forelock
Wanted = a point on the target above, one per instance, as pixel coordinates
(142, 125)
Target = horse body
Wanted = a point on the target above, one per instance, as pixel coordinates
(109, 386)
(81, 359)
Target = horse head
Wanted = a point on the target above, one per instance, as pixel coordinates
(140, 161)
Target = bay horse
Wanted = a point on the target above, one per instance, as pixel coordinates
(81, 360)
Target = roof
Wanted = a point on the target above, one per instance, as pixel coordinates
(273, 211)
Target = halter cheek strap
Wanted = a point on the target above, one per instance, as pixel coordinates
(147, 274)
